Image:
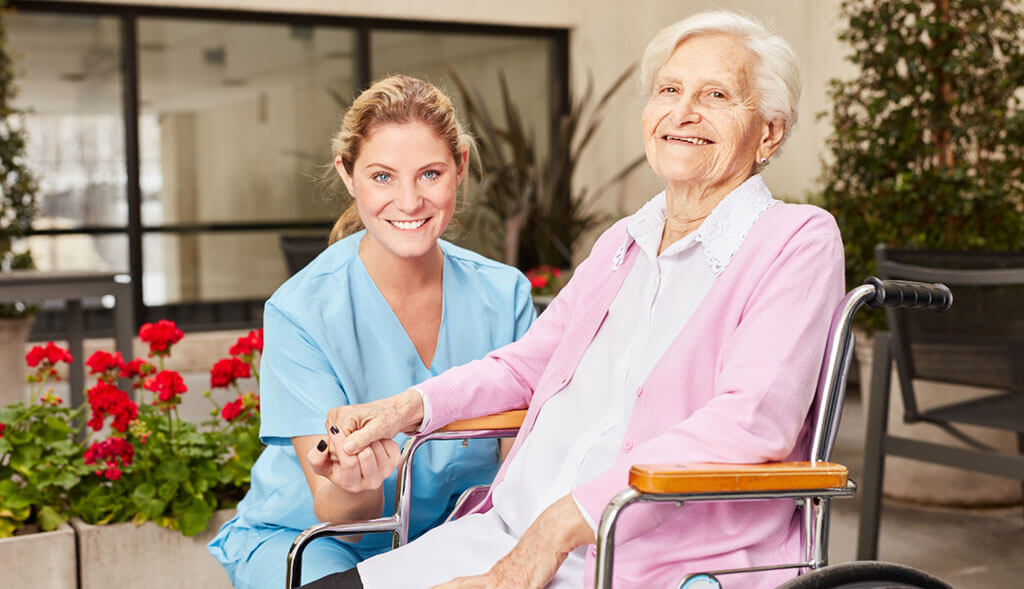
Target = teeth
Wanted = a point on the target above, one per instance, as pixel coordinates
(409, 224)
(693, 140)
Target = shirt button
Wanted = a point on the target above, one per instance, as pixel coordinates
(640, 392)
(593, 551)
(627, 446)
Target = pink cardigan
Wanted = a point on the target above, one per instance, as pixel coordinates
(735, 386)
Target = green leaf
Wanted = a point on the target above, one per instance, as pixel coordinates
(145, 499)
(49, 518)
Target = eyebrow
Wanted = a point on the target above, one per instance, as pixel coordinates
(437, 164)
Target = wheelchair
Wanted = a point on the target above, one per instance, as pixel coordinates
(812, 484)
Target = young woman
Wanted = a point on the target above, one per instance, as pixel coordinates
(379, 310)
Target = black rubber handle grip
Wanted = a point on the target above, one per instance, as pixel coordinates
(912, 295)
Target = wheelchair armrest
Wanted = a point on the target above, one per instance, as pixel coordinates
(727, 478)
(505, 420)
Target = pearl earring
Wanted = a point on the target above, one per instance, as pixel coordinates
(764, 161)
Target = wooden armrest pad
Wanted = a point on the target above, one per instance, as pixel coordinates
(505, 420)
(716, 478)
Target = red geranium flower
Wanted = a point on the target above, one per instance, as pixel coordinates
(50, 353)
(113, 452)
(160, 336)
(246, 344)
(245, 406)
(2, 428)
(168, 385)
(137, 367)
(227, 370)
(106, 399)
(102, 362)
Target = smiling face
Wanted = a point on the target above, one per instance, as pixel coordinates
(701, 125)
(403, 182)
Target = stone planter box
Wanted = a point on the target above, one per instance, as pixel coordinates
(45, 560)
(123, 555)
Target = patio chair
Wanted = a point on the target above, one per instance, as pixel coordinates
(300, 250)
(811, 484)
(979, 343)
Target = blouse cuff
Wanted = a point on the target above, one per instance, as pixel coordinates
(425, 424)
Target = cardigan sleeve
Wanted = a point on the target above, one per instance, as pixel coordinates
(764, 382)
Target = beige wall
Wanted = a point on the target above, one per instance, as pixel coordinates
(608, 35)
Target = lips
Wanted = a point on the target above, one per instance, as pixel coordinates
(408, 225)
(687, 139)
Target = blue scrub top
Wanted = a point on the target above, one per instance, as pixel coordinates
(332, 339)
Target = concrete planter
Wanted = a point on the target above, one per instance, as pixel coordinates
(123, 555)
(45, 560)
(924, 482)
(13, 333)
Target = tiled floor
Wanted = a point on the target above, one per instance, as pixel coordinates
(969, 549)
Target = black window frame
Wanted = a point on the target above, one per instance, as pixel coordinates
(243, 313)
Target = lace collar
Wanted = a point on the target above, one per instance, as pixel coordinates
(721, 234)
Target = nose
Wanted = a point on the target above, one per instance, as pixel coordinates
(685, 111)
(408, 199)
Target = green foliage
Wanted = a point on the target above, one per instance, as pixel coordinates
(526, 201)
(153, 466)
(171, 480)
(18, 187)
(40, 461)
(927, 147)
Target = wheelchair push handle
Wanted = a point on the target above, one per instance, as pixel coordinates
(914, 295)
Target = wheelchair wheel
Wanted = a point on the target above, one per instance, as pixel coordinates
(868, 574)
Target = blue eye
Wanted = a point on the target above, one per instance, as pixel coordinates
(381, 177)
(431, 174)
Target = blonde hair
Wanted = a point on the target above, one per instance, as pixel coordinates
(776, 75)
(396, 99)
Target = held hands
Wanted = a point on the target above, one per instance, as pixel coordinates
(359, 452)
(365, 471)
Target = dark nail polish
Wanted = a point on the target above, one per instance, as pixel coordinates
(321, 446)
(335, 430)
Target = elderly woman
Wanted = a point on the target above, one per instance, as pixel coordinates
(693, 332)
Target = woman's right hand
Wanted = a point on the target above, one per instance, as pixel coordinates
(366, 471)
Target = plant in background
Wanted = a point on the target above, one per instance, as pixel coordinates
(40, 460)
(535, 214)
(18, 187)
(152, 465)
(926, 150)
(545, 280)
(238, 421)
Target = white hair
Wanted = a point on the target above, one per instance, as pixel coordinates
(776, 75)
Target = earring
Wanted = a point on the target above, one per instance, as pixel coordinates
(764, 161)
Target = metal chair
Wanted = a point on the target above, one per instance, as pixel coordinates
(979, 343)
(812, 484)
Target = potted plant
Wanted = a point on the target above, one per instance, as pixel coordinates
(926, 150)
(18, 189)
(156, 467)
(40, 462)
(526, 201)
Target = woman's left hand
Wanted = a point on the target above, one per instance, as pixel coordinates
(536, 558)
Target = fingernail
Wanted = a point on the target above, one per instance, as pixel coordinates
(349, 447)
(335, 430)
(321, 446)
